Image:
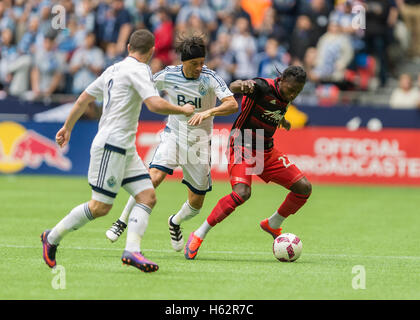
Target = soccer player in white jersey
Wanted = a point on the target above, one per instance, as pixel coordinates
(194, 83)
(114, 161)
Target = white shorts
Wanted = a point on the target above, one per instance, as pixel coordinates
(193, 157)
(111, 167)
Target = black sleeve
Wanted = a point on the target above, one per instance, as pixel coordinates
(259, 88)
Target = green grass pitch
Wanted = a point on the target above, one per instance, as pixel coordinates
(341, 227)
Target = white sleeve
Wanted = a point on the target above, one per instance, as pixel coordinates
(96, 88)
(159, 79)
(220, 88)
(142, 82)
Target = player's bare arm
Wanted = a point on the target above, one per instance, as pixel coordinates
(228, 106)
(285, 124)
(242, 86)
(63, 135)
(161, 106)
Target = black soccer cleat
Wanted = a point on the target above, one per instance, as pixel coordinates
(177, 241)
(116, 230)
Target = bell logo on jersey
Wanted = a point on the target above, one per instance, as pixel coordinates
(194, 101)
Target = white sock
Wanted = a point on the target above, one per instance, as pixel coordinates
(201, 232)
(185, 213)
(275, 220)
(76, 219)
(128, 207)
(137, 224)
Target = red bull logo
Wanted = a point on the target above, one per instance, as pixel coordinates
(20, 148)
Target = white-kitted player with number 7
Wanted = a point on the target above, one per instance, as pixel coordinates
(114, 161)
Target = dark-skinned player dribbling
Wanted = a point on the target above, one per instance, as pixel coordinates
(264, 104)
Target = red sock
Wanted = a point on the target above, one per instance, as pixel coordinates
(292, 203)
(224, 207)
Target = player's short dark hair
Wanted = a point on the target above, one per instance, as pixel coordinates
(190, 45)
(294, 73)
(141, 41)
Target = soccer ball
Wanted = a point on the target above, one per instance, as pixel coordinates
(287, 247)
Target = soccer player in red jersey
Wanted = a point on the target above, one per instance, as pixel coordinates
(252, 152)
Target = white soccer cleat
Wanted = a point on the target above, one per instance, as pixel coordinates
(116, 230)
(177, 241)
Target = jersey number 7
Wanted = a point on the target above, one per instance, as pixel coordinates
(110, 83)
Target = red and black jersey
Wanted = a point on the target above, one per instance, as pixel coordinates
(262, 109)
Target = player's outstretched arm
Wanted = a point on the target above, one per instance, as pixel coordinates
(285, 124)
(228, 106)
(63, 135)
(242, 86)
(159, 105)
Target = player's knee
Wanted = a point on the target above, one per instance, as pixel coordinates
(307, 188)
(243, 190)
(195, 200)
(303, 186)
(196, 204)
(147, 197)
(99, 209)
(152, 200)
(245, 195)
(157, 176)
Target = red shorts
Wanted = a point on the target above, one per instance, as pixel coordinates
(276, 167)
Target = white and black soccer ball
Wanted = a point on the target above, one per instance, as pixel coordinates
(287, 247)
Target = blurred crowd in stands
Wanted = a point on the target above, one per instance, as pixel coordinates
(339, 46)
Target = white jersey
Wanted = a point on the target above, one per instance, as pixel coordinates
(201, 93)
(122, 87)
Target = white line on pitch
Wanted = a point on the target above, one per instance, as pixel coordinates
(222, 252)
